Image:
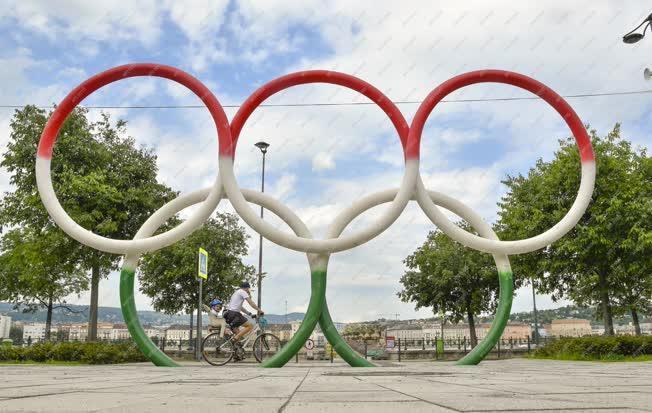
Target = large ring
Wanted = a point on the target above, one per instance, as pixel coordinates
(572, 120)
(49, 136)
(227, 151)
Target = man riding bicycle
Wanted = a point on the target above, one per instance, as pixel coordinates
(233, 313)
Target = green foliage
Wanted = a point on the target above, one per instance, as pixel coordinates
(88, 353)
(606, 258)
(596, 348)
(35, 269)
(450, 278)
(358, 331)
(103, 181)
(169, 276)
(16, 334)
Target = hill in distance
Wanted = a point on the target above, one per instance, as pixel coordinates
(79, 314)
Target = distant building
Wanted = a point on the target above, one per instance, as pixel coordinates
(104, 331)
(153, 332)
(5, 326)
(460, 331)
(282, 331)
(178, 332)
(572, 327)
(515, 331)
(339, 326)
(318, 338)
(35, 332)
(294, 325)
(406, 332)
(431, 331)
(597, 331)
(646, 326)
(79, 331)
(629, 329)
(120, 332)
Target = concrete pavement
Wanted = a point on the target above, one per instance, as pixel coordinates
(493, 386)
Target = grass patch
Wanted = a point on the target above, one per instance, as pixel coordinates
(44, 363)
(603, 348)
(72, 352)
(605, 359)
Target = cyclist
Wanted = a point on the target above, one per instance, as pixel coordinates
(233, 313)
(216, 307)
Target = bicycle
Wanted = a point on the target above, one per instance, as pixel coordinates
(217, 348)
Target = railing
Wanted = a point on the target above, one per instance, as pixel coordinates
(449, 348)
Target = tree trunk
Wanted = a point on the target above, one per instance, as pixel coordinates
(92, 312)
(637, 326)
(48, 321)
(469, 317)
(192, 312)
(606, 305)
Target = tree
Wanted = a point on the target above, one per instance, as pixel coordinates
(451, 279)
(605, 259)
(104, 182)
(362, 331)
(16, 335)
(169, 276)
(36, 271)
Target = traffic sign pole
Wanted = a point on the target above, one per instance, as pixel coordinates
(199, 319)
(202, 274)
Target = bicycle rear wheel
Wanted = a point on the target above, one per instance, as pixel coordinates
(265, 346)
(217, 350)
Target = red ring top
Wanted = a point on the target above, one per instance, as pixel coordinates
(499, 76)
(49, 135)
(227, 148)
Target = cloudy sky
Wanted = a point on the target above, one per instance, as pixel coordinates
(322, 158)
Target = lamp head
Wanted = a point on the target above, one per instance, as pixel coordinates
(631, 38)
(262, 146)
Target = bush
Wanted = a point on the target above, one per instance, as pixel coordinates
(10, 353)
(602, 347)
(90, 353)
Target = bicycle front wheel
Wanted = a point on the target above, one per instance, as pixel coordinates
(265, 346)
(217, 350)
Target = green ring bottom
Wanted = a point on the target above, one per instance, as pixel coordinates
(317, 312)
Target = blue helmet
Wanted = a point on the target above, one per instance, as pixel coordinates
(215, 302)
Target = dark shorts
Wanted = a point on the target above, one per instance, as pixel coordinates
(234, 318)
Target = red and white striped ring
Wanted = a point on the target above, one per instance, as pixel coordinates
(49, 137)
(227, 152)
(572, 120)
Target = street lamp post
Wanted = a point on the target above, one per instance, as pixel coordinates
(633, 37)
(536, 318)
(263, 149)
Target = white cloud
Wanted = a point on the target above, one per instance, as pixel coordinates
(284, 187)
(98, 20)
(322, 161)
(199, 19)
(405, 52)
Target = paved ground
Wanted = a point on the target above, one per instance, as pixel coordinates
(506, 385)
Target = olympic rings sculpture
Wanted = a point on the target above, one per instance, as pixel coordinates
(318, 250)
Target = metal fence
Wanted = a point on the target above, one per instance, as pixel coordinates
(449, 348)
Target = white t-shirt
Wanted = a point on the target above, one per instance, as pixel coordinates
(238, 297)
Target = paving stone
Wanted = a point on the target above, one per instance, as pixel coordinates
(364, 407)
(355, 396)
(207, 403)
(505, 385)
